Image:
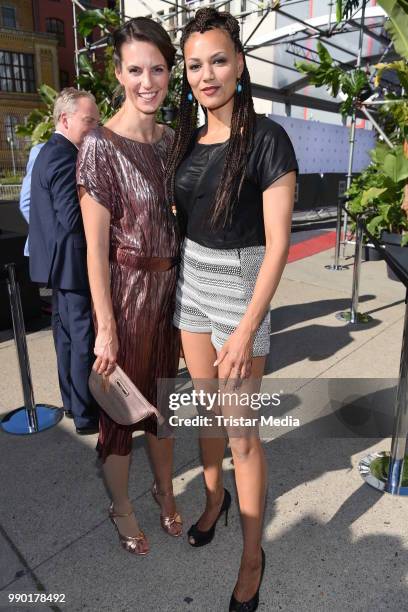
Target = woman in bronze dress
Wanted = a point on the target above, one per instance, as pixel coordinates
(132, 254)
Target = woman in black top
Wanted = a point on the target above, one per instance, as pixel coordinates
(231, 185)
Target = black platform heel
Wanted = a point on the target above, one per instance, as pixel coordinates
(252, 604)
(201, 538)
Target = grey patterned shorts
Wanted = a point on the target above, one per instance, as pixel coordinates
(214, 289)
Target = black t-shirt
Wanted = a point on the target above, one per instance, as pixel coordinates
(197, 180)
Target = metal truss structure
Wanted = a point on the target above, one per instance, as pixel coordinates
(296, 39)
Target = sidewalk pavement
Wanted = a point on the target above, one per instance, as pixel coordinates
(331, 542)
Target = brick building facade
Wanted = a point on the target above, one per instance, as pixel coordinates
(27, 59)
(36, 47)
(56, 16)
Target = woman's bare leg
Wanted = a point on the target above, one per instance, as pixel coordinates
(250, 478)
(249, 463)
(161, 458)
(200, 355)
(116, 475)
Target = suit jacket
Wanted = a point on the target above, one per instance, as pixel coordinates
(56, 234)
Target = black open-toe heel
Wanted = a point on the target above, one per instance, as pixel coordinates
(201, 538)
(252, 604)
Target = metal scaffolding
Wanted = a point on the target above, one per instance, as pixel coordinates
(296, 39)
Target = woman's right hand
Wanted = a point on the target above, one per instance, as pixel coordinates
(106, 351)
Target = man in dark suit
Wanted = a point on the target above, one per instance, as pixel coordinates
(58, 251)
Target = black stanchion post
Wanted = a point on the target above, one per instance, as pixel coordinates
(21, 344)
(372, 468)
(399, 438)
(31, 418)
(352, 316)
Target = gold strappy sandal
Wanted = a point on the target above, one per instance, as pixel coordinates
(132, 544)
(170, 524)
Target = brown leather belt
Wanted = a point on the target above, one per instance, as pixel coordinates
(153, 264)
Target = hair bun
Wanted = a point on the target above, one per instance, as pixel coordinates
(208, 18)
(204, 15)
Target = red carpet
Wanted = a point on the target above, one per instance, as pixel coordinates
(312, 246)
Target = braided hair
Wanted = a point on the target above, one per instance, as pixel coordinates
(242, 122)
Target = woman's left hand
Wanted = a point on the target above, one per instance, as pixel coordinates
(236, 356)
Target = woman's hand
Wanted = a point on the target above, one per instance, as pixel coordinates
(106, 351)
(236, 356)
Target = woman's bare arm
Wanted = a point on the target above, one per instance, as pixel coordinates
(96, 220)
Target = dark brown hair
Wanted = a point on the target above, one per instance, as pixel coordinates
(242, 122)
(147, 30)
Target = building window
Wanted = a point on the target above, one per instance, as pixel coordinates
(10, 123)
(64, 79)
(56, 26)
(17, 72)
(8, 17)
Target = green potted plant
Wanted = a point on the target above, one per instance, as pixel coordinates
(353, 84)
(380, 192)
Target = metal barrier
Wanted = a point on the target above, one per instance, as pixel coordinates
(373, 467)
(10, 192)
(392, 482)
(31, 418)
(336, 266)
(352, 316)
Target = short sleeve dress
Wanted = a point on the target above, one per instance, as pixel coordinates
(127, 178)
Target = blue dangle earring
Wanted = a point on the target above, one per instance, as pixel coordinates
(239, 86)
(190, 97)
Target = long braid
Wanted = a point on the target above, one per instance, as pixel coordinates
(187, 121)
(239, 147)
(242, 122)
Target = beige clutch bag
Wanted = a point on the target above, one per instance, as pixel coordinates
(121, 399)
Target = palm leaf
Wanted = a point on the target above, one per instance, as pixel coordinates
(397, 26)
(47, 94)
(371, 194)
(324, 55)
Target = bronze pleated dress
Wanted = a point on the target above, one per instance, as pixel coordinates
(127, 177)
